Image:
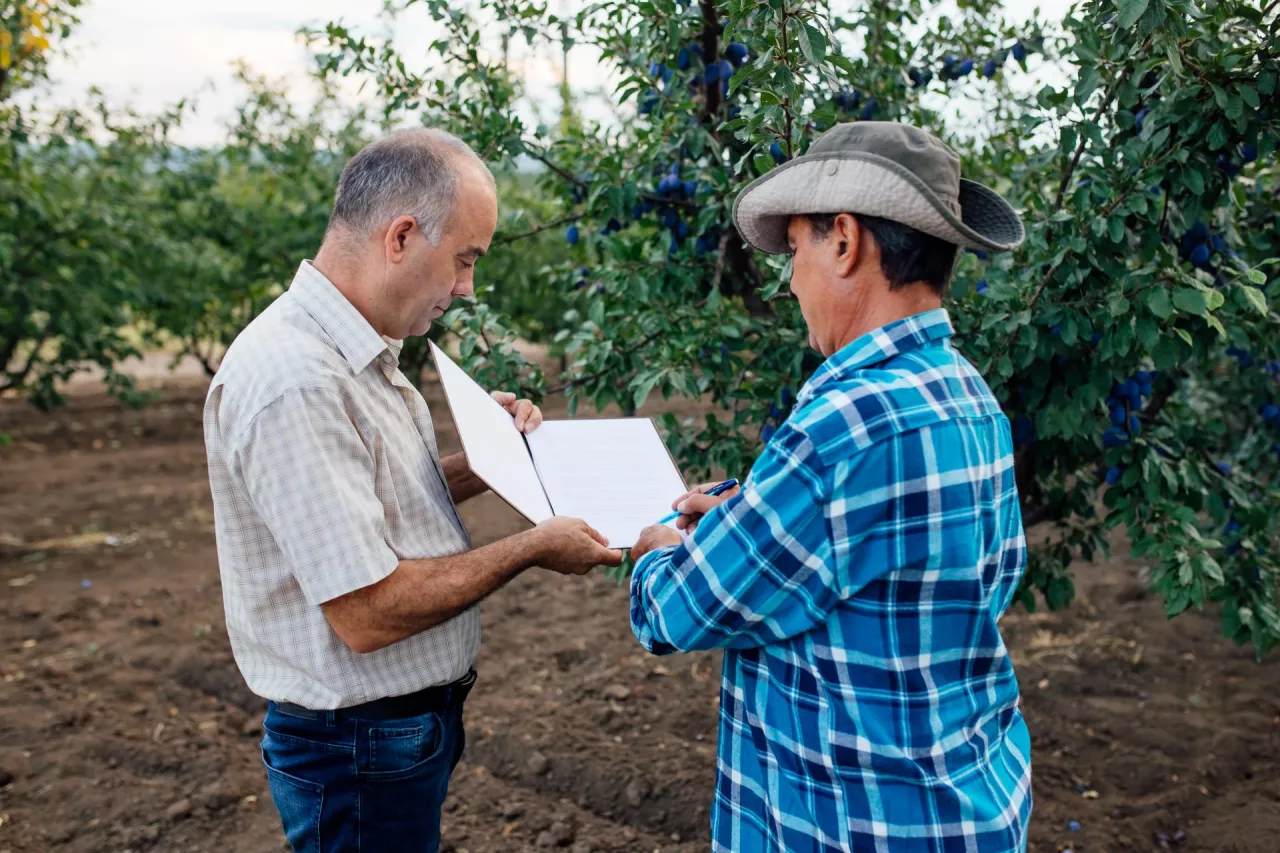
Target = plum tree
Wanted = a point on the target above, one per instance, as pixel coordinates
(1121, 339)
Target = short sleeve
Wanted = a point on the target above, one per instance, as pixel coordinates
(311, 479)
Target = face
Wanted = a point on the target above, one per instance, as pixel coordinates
(824, 277)
(422, 279)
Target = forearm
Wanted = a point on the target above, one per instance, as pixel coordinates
(421, 594)
(463, 483)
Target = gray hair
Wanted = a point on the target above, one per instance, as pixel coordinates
(410, 172)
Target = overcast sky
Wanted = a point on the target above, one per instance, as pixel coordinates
(151, 53)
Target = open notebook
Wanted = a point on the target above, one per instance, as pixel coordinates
(613, 473)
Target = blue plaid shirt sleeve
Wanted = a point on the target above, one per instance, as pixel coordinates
(759, 568)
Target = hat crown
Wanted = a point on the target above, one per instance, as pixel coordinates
(918, 151)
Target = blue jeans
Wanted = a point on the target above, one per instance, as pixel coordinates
(360, 786)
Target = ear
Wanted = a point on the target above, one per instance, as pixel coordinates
(850, 244)
(399, 232)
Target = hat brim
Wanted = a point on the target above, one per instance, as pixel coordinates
(871, 185)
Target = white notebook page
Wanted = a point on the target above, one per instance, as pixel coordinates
(614, 473)
(495, 449)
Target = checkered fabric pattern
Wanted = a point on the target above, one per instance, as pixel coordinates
(868, 701)
(325, 474)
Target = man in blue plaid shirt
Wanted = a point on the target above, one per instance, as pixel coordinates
(856, 580)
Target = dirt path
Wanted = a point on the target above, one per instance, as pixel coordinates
(124, 724)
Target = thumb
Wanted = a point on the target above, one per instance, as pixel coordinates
(610, 557)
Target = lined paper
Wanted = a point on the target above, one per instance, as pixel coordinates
(614, 473)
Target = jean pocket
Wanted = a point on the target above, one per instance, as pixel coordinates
(299, 802)
(403, 748)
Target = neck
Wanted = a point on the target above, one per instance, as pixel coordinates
(342, 267)
(878, 306)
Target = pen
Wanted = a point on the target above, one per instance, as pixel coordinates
(718, 489)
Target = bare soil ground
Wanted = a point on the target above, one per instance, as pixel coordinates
(124, 724)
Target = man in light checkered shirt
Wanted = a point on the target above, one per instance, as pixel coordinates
(349, 581)
(868, 702)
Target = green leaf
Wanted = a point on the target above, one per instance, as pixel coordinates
(1267, 82)
(1158, 303)
(1089, 82)
(1190, 301)
(1116, 226)
(1129, 12)
(1256, 276)
(1193, 179)
(1256, 298)
(813, 44)
(1218, 136)
(644, 387)
(1067, 143)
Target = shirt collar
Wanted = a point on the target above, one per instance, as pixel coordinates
(910, 333)
(350, 332)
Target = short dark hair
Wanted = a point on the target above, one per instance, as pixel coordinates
(906, 254)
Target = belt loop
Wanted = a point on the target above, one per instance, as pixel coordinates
(331, 718)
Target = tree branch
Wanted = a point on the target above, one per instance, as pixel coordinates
(1080, 144)
(16, 380)
(15, 333)
(511, 238)
(591, 377)
(710, 40)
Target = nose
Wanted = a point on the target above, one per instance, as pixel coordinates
(464, 287)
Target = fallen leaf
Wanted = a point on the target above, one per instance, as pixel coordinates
(22, 581)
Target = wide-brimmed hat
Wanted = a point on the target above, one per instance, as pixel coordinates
(884, 169)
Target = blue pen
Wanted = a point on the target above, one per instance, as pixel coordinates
(718, 489)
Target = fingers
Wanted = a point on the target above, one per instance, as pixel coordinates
(610, 557)
(675, 504)
(528, 417)
(525, 412)
(699, 504)
(595, 534)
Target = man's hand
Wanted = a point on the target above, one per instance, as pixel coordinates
(693, 505)
(528, 416)
(652, 537)
(572, 547)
